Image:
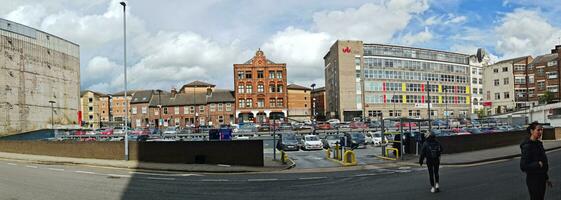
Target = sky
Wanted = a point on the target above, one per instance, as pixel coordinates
(173, 42)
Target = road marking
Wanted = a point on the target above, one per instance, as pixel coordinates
(221, 165)
(263, 179)
(85, 172)
(312, 178)
(214, 180)
(55, 169)
(119, 175)
(190, 175)
(404, 168)
(160, 178)
(13, 164)
(156, 174)
(31, 166)
(361, 175)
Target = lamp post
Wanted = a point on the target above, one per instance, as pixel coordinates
(446, 108)
(159, 107)
(313, 114)
(124, 4)
(52, 114)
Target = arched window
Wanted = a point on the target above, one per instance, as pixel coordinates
(475, 101)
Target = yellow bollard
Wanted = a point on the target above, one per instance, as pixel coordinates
(328, 153)
(349, 158)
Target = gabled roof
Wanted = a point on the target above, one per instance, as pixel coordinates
(296, 87)
(142, 96)
(221, 95)
(182, 99)
(122, 93)
(198, 84)
(544, 59)
(513, 60)
(320, 89)
(83, 92)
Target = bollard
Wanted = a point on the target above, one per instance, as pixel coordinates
(327, 152)
(349, 158)
(283, 157)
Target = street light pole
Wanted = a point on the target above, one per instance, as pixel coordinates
(52, 114)
(159, 108)
(313, 114)
(125, 70)
(446, 104)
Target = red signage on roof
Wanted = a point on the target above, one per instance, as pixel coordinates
(487, 104)
(347, 50)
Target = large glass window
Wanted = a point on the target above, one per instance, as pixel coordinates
(249, 103)
(260, 74)
(249, 89)
(260, 88)
(241, 89)
(248, 75)
(260, 103)
(241, 103)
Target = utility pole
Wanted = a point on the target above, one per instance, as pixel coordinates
(446, 104)
(125, 69)
(313, 114)
(429, 101)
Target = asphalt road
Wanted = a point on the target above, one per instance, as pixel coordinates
(501, 180)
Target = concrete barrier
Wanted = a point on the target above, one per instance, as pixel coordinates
(241, 152)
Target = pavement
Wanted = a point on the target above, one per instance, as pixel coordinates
(465, 158)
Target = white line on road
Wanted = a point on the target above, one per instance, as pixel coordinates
(13, 164)
(118, 175)
(85, 172)
(404, 168)
(361, 175)
(55, 169)
(312, 178)
(160, 178)
(263, 179)
(215, 180)
(31, 166)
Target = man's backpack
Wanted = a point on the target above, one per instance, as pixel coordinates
(434, 150)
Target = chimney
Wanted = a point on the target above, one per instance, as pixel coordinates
(173, 92)
(557, 49)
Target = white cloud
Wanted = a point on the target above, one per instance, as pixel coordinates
(525, 32)
(29, 15)
(448, 19)
(421, 37)
(370, 22)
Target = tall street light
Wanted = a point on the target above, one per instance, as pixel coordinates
(52, 114)
(160, 121)
(125, 69)
(313, 114)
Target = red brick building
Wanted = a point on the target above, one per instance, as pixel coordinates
(260, 90)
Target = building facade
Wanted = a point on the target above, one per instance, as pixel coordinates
(547, 69)
(299, 103)
(260, 90)
(37, 68)
(117, 107)
(91, 105)
(318, 103)
(477, 63)
(366, 80)
(499, 84)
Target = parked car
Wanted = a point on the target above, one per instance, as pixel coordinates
(439, 122)
(358, 125)
(264, 128)
(474, 130)
(141, 131)
(329, 141)
(374, 138)
(334, 122)
(170, 130)
(405, 124)
(288, 142)
(374, 124)
(107, 131)
(285, 127)
(323, 126)
(310, 142)
(357, 139)
(345, 125)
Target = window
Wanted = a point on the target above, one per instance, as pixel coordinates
(186, 110)
(176, 110)
(271, 74)
(260, 74)
(240, 89)
(192, 109)
(553, 88)
(90, 109)
(134, 110)
(519, 80)
(248, 74)
(474, 80)
(228, 107)
(496, 82)
(260, 103)
(279, 102)
(220, 107)
(249, 103)
(241, 103)
(165, 111)
(202, 108)
(241, 75)
(249, 89)
(212, 107)
(138, 122)
(144, 109)
(541, 85)
(497, 96)
(505, 69)
(551, 75)
(260, 88)
(495, 70)
(540, 72)
(519, 67)
(506, 95)
(505, 81)
(480, 81)
(279, 88)
(90, 99)
(552, 63)
(271, 88)
(272, 102)
(279, 74)
(157, 111)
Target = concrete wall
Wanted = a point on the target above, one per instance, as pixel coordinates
(36, 67)
(243, 152)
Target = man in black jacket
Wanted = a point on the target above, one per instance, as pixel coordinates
(534, 162)
(431, 150)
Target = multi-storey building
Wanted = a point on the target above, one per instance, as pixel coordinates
(477, 63)
(37, 68)
(365, 80)
(105, 110)
(318, 103)
(499, 84)
(547, 69)
(260, 90)
(117, 107)
(140, 103)
(299, 102)
(91, 105)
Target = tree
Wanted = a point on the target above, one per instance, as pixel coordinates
(546, 98)
(481, 113)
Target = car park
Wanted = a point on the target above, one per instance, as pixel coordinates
(311, 142)
(329, 141)
(288, 142)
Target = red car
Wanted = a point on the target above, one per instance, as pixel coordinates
(141, 131)
(405, 124)
(323, 126)
(358, 125)
(108, 131)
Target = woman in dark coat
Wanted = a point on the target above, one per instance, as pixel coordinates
(534, 163)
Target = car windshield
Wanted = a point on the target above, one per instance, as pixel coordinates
(357, 135)
(312, 138)
(289, 137)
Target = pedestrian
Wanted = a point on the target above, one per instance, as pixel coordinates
(431, 150)
(534, 162)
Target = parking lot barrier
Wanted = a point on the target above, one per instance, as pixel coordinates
(328, 153)
(396, 153)
(349, 158)
(284, 157)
